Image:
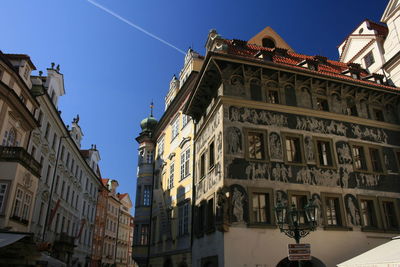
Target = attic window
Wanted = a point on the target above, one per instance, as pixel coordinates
(312, 66)
(268, 42)
(355, 75)
(369, 59)
(361, 31)
(265, 55)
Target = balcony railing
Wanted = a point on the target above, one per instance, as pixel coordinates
(19, 154)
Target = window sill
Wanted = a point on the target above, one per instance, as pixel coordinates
(256, 160)
(334, 167)
(296, 163)
(337, 228)
(372, 229)
(184, 177)
(261, 225)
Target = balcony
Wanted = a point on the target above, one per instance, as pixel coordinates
(19, 154)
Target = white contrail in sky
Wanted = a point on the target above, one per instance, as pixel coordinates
(135, 26)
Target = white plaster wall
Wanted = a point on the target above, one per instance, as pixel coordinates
(392, 42)
(246, 247)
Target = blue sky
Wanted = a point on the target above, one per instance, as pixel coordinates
(112, 71)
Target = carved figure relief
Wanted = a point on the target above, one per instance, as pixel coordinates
(319, 126)
(316, 176)
(219, 145)
(275, 146)
(239, 203)
(316, 200)
(309, 147)
(281, 173)
(345, 175)
(222, 213)
(353, 212)
(258, 171)
(344, 155)
(256, 116)
(363, 179)
(377, 135)
(234, 140)
(281, 197)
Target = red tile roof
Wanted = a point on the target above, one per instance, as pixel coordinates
(105, 181)
(121, 196)
(328, 68)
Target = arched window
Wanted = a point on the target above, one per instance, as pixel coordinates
(268, 42)
(255, 90)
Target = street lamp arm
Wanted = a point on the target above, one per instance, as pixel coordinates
(297, 234)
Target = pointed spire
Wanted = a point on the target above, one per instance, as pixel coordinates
(151, 108)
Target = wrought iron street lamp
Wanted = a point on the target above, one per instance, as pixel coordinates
(296, 223)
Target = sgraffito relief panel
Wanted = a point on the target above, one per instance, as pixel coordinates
(212, 131)
(341, 175)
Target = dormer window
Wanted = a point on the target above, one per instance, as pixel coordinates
(355, 75)
(268, 43)
(265, 55)
(312, 66)
(239, 43)
(369, 59)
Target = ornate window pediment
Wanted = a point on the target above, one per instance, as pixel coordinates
(184, 141)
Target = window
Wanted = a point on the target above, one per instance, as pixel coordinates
(57, 182)
(171, 175)
(149, 156)
(53, 145)
(375, 160)
(368, 212)
(273, 96)
(293, 147)
(202, 165)
(299, 199)
(10, 138)
(26, 206)
(46, 133)
(3, 192)
(62, 153)
(268, 42)
(183, 219)
(62, 189)
(48, 174)
(369, 59)
(40, 118)
(18, 203)
(144, 232)
(175, 128)
(322, 104)
(367, 158)
(211, 158)
(390, 213)
(185, 163)
(359, 158)
(325, 155)
(333, 208)
(378, 114)
(147, 195)
(33, 151)
(67, 162)
(351, 108)
(160, 146)
(260, 206)
(138, 195)
(185, 120)
(255, 145)
(255, 90)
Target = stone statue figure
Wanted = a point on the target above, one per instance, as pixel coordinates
(275, 146)
(237, 203)
(353, 210)
(317, 202)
